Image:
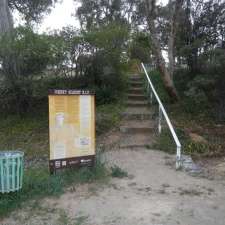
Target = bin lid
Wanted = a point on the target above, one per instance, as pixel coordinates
(11, 154)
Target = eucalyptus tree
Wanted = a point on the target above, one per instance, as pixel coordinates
(93, 13)
(202, 29)
(151, 13)
(186, 29)
(6, 22)
(30, 10)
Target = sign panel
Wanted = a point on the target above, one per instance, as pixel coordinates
(71, 128)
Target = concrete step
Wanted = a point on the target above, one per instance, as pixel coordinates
(137, 103)
(136, 84)
(137, 141)
(136, 78)
(137, 127)
(137, 116)
(139, 97)
(136, 130)
(137, 113)
(136, 90)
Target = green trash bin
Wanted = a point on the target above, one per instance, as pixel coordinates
(11, 171)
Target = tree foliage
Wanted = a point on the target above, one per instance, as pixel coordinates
(31, 10)
(140, 47)
(31, 52)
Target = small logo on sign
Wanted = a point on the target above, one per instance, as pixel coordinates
(57, 164)
(84, 141)
(73, 162)
(85, 160)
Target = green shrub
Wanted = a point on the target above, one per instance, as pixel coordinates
(159, 86)
(24, 52)
(139, 48)
(165, 141)
(24, 58)
(195, 148)
(202, 90)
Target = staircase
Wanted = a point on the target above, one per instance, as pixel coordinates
(137, 125)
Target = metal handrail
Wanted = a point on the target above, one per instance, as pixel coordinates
(163, 111)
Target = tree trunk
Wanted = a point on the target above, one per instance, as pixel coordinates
(161, 64)
(156, 48)
(171, 54)
(175, 8)
(6, 21)
(171, 39)
(6, 25)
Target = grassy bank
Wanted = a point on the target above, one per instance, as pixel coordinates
(30, 133)
(198, 131)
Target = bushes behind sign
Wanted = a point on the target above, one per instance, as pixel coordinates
(32, 63)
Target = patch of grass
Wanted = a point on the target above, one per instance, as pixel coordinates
(38, 183)
(165, 142)
(80, 220)
(118, 172)
(63, 217)
(29, 134)
(108, 116)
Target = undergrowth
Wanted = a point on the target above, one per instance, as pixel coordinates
(210, 148)
(29, 134)
(188, 118)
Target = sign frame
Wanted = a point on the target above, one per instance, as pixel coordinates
(76, 161)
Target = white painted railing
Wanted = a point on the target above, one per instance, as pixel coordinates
(162, 113)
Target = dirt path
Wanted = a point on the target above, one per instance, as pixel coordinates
(154, 193)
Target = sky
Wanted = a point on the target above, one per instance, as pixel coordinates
(60, 16)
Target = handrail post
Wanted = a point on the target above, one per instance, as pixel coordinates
(178, 158)
(160, 120)
(151, 97)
